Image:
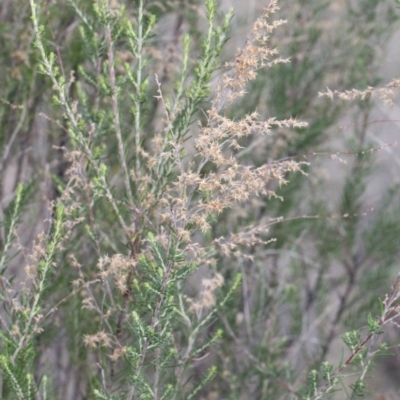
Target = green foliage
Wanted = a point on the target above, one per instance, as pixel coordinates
(161, 236)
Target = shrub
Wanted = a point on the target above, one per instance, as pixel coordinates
(162, 241)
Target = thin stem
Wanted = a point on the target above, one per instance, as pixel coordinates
(117, 123)
(138, 83)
